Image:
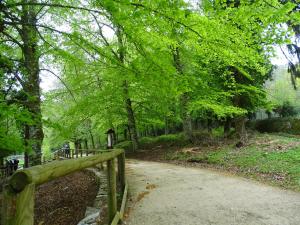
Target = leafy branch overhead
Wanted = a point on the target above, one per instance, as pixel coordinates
(133, 65)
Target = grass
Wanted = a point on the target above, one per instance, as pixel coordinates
(270, 158)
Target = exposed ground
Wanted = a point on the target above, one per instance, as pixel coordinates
(270, 158)
(167, 194)
(63, 201)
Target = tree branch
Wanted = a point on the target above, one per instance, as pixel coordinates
(52, 5)
(58, 77)
(140, 5)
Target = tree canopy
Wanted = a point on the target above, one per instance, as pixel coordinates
(134, 66)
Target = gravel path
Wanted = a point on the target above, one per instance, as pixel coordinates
(165, 194)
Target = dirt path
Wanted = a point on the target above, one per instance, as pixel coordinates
(165, 194)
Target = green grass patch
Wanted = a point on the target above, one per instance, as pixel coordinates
(272, 158)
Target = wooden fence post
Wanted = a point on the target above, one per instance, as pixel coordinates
(112, 189)
(18, 208)
(121, 170)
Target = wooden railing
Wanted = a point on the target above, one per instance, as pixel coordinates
(18, 194)
(76, 153)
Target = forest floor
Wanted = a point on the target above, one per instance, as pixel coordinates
(164, 193)
(268, 158)
(63, 201)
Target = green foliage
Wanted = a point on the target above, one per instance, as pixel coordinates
(167, 140)
(108, 53)
(286, 125)
(285, 110)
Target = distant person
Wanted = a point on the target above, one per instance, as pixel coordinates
(9, 167)
(67, 149)
(15, 164)
(110, 138)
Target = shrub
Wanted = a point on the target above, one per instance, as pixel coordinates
(287, 125)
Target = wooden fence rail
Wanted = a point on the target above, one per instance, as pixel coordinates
(76, 153)
(18, 194)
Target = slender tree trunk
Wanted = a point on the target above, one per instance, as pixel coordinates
(185, 116)
(92, 139)
(85, 143)
(209, 125)
(127, 99)
(31, 85)
(167, 125)
(125, 134)
(77, 146)
(129, 132)
(184, 99)
(241, 130)
(116, 136)
(240, 122)
(227, 126)
(98, 142)
(131, 118)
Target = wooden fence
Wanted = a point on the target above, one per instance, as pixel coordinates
(18, 194)
(76, 153)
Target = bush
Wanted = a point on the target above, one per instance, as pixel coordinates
(286, 110)
(286, 125)
(126, 145)
(149, 142)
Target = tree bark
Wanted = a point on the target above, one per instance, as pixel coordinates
(209, 125)
(185, 116)
(85, 143)
(167, 125)
(125, 134)
(241, 130)
(127, 99)
(131, 118)
(184, 99)
(98, 142)
(227, 126)
(31, 84)
(92, 140)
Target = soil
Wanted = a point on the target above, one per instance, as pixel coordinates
(63, 201)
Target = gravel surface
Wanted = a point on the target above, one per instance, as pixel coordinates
(166, 194)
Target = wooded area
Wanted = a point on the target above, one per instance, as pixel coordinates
(138, 67)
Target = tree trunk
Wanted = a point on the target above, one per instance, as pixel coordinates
(184, 99)
(125, 134)
(27, 148)
(31, 85)
(186, 117)
(92, 139)
(227, 126)
(209, 125)
(127, 100)
(98, 142)
(240, 129)
(167, 125)
(131, 118)
(77, 146)
(85, 143)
